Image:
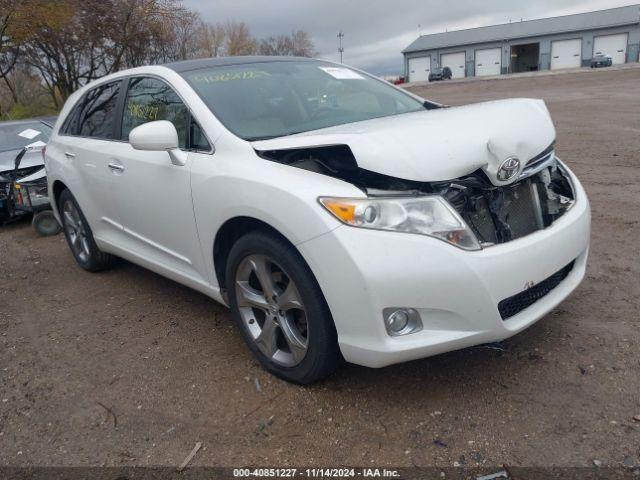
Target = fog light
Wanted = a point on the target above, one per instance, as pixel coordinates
(398, 321)
(401, 321)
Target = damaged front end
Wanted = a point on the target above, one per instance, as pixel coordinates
(496, 214)
(499, 214)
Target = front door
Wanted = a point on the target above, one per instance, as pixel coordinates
(153, 195)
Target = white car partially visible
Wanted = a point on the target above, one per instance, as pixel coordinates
(338, 216)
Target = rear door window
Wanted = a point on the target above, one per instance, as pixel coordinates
(97, 116)
(150, 99)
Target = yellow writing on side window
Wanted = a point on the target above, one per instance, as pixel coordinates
(143, 112)
(228, 76)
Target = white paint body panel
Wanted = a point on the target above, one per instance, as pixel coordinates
(165, 217)
(455, 292)
(419, 69)
(456, 62)
(566, 54)
(488, 62)
(430, 143)
(614, 46)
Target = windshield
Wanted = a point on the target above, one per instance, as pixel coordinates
(16, 136)
(258, 101)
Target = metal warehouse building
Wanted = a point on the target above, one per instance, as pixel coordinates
(568, 41)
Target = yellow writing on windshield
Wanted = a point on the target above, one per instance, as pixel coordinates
(229, 76)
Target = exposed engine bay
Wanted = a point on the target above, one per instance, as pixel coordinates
(496, 214)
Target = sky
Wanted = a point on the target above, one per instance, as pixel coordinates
(376, 31)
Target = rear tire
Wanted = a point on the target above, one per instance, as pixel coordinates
(80, 237)
(280, 310)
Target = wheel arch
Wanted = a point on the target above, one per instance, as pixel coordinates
(58, 188)
(229, 233)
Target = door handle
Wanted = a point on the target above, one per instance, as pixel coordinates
(69, 155)
(116, 167)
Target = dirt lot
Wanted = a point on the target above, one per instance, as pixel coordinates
(128, 368)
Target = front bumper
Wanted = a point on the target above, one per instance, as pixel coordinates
(456, 292)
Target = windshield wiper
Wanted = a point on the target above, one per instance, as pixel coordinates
(257, 139)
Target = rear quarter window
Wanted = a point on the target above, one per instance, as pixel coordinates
(95, 114)
(70, 125)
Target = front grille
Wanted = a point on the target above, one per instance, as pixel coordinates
(500, 214)
(516, 303)
(518, 209)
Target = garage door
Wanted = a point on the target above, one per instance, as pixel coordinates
(455, 61)
(613, 45)
(419, 69)
(566, 54)
(488, 62)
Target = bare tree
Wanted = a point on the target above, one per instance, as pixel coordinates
(212, 39)
(185, 28)
(9, 49)
(70, 53)
(17, 18)
(98, 37)
(275, 45)
(297, 44)
(302, 45)
(239, 40)
(71, 42)
(151, 31)
(29, 96)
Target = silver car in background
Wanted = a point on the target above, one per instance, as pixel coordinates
(23, 181)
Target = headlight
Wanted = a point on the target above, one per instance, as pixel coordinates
(428, 215)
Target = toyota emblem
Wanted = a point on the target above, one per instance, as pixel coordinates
(509, 169)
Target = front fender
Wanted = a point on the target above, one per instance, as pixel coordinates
(284, 197)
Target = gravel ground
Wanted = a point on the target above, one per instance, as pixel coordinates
(128, 368)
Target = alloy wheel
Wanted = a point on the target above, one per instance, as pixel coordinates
(272, 310)
(76, 231)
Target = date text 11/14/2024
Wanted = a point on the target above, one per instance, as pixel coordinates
(315, 472)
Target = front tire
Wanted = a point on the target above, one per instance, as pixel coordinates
(280, 310)
(80, 237)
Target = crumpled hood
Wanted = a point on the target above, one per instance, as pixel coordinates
(31, 159)
(441, 144)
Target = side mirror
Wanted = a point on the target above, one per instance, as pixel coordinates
(158, 136)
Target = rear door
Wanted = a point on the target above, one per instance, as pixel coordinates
(82, 147)
(153, 196)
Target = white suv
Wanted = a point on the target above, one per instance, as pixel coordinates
(339, 217)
